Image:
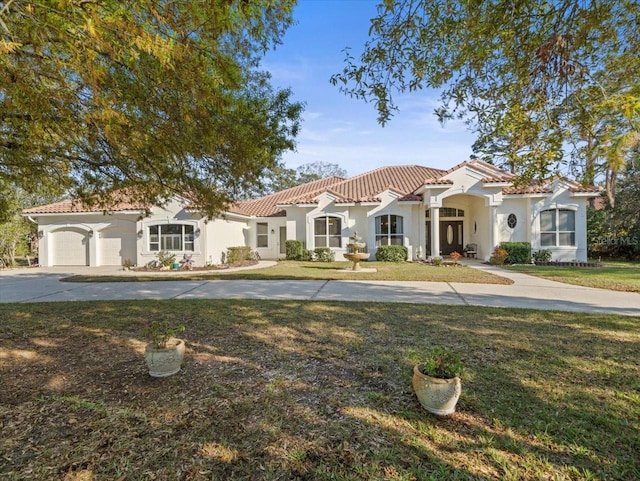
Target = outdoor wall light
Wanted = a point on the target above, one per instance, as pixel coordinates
(273, 231)
(40, 234)
(90, 233)
(197, 231)
(140, 234)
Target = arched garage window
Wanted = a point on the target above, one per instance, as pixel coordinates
(171, 237)
(327, 232)
(389, 230)
(557, 228)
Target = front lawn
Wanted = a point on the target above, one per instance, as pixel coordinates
(615, 276)
(309, 390)
(294, 270)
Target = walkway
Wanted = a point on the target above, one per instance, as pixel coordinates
(43, 285)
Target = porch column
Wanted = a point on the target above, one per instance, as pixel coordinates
(434, 213)
(495, 234)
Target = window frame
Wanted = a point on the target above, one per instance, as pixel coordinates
(262, 235)
(331, 236)
(389, 236)
(160, 241)
(556, 232)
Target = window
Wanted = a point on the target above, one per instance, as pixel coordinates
(327, 232)
(512, 221)
(451, 212)
(262, 234)
(171, 237)
(557, 228)
(389, 230)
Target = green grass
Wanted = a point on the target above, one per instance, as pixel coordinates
(293, 270)
(310, 390)
(616, 276)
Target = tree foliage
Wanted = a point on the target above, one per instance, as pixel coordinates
(282, 178)
(543, 84)
(615, 230)
(153, 97)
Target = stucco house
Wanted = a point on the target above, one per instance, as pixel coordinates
(432, 212)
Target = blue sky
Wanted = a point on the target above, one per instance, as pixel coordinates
(344, 131)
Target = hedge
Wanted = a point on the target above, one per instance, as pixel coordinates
(517, 252)
(294, 250)
(238, 254)
(392, 253)
(324, 254)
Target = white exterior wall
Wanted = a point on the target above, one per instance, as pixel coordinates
(91, 225)
(272, 251)
(327, 207)
(562, 199)
(521, 232)
(171, 213)
(220, 234)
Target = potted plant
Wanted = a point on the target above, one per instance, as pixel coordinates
(165, 352)
(436, 380)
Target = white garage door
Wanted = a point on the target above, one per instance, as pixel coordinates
(116, 245)
(70, 248)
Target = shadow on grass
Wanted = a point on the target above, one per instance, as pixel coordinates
(315, 391)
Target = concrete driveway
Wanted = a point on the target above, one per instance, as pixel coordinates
(44, 285)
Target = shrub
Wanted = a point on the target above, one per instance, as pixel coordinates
(306, 255)
(324, 254)
(392, 254)
(238, 254)
(498, 257)
(442, 362)
(436, 261)
(517, 252)
(166, 258)
(543, 255)
(294, 249)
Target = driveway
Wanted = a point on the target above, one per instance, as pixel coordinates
(44, 285)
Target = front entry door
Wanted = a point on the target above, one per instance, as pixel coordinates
(450, 236)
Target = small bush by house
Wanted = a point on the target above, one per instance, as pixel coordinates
(498, 257)
(542, 256)
(294, 250)
(392, 254)
(517, 252)
(239, 254)
(324, 254)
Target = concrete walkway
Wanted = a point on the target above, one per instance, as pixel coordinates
(44, 285)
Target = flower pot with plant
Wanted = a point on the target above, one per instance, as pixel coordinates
(436, 380)
(165, 352)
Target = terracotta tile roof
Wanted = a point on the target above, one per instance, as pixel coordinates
(491, 172)
(77, 206)
(267, 206)
(438, 182)
(403, 179)
(529, 189)
(546, 187)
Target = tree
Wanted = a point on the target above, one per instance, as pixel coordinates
(144, 97)
(282, 178)
(15, 231)
(543, 84)
(615, 230)
(319, 170)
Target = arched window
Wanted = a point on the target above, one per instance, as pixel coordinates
(327, 231)
(171, 237)
(389, 230)
(557, 228)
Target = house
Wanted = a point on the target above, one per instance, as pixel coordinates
(432, 212)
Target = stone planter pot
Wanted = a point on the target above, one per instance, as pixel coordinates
(166, 361)
(438, 396)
